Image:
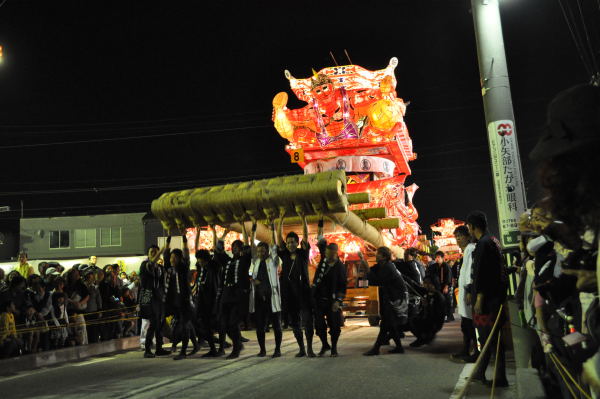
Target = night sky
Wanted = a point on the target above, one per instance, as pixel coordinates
(200, 79)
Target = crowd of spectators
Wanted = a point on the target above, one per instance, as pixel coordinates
(56, 308)
(558, 291)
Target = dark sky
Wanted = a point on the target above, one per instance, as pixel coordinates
(200, 77)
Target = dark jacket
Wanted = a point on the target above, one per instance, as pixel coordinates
(440, 275)
(208, 285)
(294, 277)
(230, 289)
(152, 278)
(409, 269)
(332, 285)
(179, 291)
(390, 282)
(489, 274)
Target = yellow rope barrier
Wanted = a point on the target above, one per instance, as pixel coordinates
(98, 312)
(44, 328)
(496, 364)
(557, 360)
(563, 377)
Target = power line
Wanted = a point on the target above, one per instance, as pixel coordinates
(201, 182)
(576, 38)
(148, 136)
(142, 121)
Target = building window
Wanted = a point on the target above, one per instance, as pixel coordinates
(59, 239)
(110, 237)
(85, 238)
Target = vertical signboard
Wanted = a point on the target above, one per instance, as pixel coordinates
(508, 180)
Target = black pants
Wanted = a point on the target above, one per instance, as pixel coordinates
(231, 317)
(263, 312)
(184, 329)
(469, 335)
(485, 330)
(449, 297)
(388, 328)
(93, 329)
(325, 317)
(300, 315)
(155, 326)
(206, 326)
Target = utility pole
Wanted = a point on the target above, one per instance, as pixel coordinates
(502, 139)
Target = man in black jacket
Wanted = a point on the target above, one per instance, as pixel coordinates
(208, 285)
(393, 300)
(329, 290)
(179, 297)
(441, 275)
(295, 286)
(152, 301)
(235, 287)
(489, 291)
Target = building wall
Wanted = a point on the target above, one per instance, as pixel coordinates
(36, 233)
(9, 239)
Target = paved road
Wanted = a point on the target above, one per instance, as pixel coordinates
(419, 373)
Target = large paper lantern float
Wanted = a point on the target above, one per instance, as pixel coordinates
(356, 153)
(354, 121)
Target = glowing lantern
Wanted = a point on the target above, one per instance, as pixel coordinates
(445, 240)
(384, 115)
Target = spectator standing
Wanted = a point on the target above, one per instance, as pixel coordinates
(489, 293)
(24, 268)
(58, 315)
(567, 153)
(78, 297)
(10, 344)
(94, 306)
(465, 307)
(3, 285)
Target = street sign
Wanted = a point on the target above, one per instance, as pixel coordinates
(4, 208)
(508, 180)
(297, 155)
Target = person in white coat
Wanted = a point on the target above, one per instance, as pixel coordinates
(265, 295)
(465, 309)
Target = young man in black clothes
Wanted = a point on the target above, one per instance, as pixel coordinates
(295, 285)
(208, 285)
(177, 264)
(152, 301)
(329, 290)
(393, 299)
(441, 275)
(465, 308)
(234, 291)
(488, 290)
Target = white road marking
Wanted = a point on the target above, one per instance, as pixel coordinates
(101, 359)
(46, 369)
(462, 379)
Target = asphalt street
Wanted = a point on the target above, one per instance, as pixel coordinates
(419, 373)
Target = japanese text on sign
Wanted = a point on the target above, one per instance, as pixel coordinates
(508, 179)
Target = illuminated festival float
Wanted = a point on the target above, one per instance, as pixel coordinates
(443, 236)
(354, 147)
